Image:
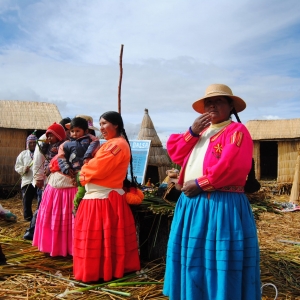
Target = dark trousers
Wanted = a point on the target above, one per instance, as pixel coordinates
(33, 220)
(2, 257)
(28, 193)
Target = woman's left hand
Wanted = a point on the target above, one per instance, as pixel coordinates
(190, 188)
(85, 161)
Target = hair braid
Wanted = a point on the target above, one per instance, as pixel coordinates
(252, 185)
(236, 115)
(132, 184)
(116, 119)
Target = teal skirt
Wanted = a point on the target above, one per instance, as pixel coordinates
(213, 251)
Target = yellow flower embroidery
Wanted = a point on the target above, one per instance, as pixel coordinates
(218, 148)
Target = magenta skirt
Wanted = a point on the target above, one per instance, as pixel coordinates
(55, 222)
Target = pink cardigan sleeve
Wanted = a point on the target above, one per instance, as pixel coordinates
(180, 145)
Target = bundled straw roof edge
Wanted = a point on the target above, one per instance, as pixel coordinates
(28, 114)
(288, 129)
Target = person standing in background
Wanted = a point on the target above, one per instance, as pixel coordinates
(24, 167)
(91, 127)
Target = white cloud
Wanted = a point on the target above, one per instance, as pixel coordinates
(67, 52)
(271, 117)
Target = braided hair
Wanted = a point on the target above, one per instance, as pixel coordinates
(116, 119)
(252, 185)
(233, 111)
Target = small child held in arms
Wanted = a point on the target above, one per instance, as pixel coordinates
(79, 149)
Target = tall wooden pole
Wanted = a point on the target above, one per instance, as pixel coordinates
(294, 197)
(120, 80)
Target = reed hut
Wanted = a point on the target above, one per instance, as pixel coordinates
(18, 119)
(158, 160)
(276, 144)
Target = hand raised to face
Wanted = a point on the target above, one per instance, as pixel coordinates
(201, 123)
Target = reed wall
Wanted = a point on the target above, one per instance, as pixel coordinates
(287, 157)
(12, 142)
(256, 156)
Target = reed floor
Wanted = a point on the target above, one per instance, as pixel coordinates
(31, 274)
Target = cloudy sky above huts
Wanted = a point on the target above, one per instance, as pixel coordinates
(67, 53)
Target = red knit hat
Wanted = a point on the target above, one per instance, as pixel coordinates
(57, 130)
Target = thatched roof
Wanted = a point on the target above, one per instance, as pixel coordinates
(27, 114)
(157, 155)
(148, 132)
(274, 129)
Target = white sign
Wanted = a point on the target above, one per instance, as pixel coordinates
(140, 152)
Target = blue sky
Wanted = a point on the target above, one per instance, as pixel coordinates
(67, 52)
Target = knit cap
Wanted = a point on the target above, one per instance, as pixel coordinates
(57, 130)
(29, 139)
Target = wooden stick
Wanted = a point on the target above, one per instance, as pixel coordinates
(120, 80)
(289, 242)
(62, 278)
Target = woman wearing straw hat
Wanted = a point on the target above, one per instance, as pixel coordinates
(90, 121)
(213, 248)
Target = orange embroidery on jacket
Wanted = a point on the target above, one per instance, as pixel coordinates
(214, 137)
(114, 149)
(218, 148)
(237, 138)
(187, 136)
(205, 184)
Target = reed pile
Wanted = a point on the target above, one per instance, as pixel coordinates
(31, 274)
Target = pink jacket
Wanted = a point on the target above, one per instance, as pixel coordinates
(227, 161)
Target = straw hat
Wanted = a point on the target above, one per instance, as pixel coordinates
(219, 90)
(89, 120)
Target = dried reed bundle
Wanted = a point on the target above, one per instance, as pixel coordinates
(294, 197)
(31, 274)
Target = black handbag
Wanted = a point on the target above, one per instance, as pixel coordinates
(252, 185)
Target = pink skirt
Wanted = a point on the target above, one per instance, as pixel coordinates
(55, 222)
(105, 241)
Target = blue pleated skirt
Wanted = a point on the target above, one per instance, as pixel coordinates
(213, 251)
